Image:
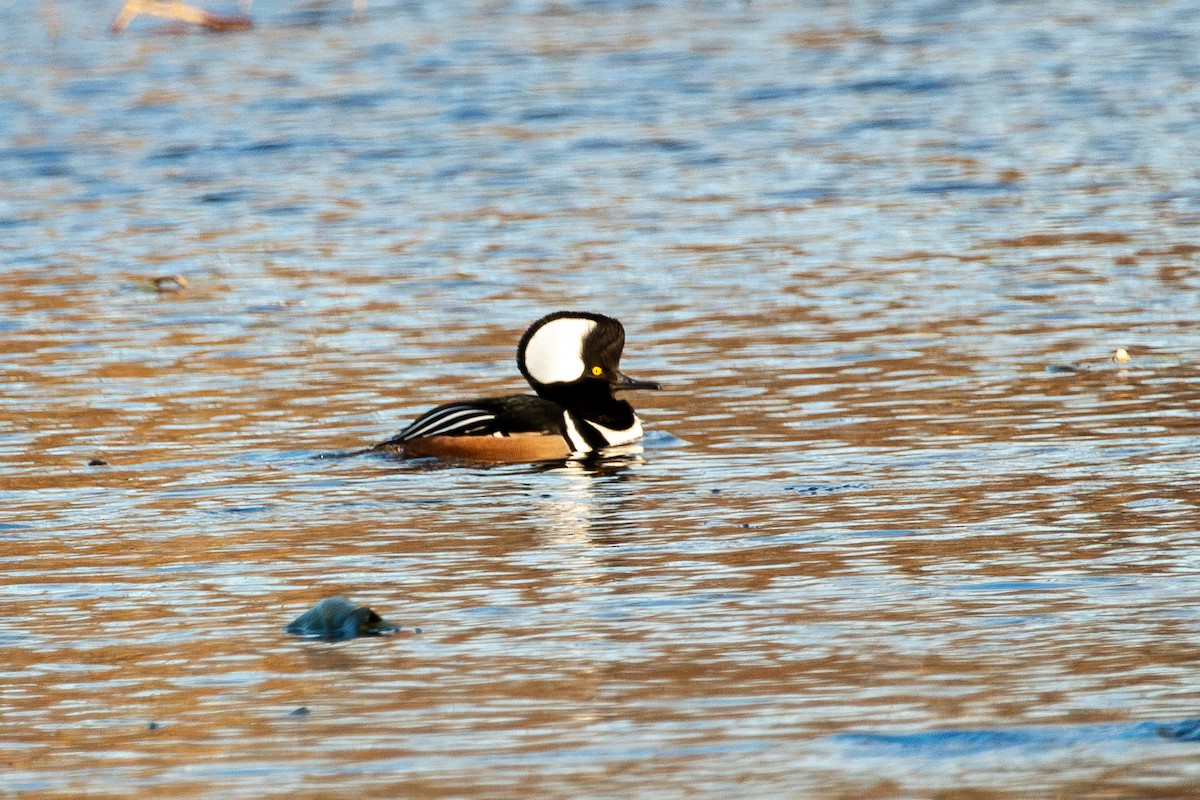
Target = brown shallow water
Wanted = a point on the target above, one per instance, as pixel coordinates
(849, 239)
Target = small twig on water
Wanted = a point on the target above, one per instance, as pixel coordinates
(178, 10)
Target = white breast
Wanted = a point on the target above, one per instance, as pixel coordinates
(630, 434)
(611, 436)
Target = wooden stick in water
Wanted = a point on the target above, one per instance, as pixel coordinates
(178, 10)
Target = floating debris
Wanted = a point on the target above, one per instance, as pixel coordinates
(1058, 369)
(816, 489)
(97, 462)
(1187, 730)
(336, 618)
(959, 743)
(1121, 358)
(163, 284)
(181, 12)
(169, 283)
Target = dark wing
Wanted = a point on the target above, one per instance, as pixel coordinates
(493, 416)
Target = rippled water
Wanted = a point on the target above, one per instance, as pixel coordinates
(874, 546)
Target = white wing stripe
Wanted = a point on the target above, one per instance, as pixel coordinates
(447, 420)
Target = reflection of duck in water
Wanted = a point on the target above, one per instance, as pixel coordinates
(571, 359)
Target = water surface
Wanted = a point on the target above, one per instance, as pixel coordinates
(848, 238)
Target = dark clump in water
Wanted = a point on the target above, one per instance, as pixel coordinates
(1186, 731)
(335, 619)
(815, 489)
(953, 743)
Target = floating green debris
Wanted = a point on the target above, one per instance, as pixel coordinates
(336, 618)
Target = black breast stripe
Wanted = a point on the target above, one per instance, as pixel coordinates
(593, 437)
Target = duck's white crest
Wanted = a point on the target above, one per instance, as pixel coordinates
(553, 354)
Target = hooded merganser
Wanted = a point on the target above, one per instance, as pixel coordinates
(571, 360)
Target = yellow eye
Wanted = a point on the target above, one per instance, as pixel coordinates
(597, 371)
